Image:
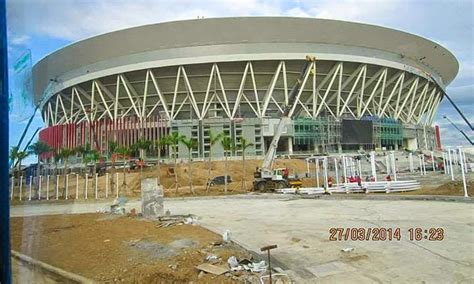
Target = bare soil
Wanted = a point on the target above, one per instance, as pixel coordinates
(235, 170)
(112, 248)
(454, 188)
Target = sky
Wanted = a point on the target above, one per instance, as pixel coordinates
(44, 26)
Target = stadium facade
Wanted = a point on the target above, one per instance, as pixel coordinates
(370, 87)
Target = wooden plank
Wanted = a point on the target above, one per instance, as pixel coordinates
(213, 269)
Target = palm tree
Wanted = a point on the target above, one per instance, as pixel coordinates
(65, 153)
(142, 146)
(83, 151)
(18, 156)
(159, 144)
(190, 143)
(93, 156)
(56, 159)
(244, 145)
(173, 139)
(124, 152)
(213, 139)
(38, 148)
(113, 145)
(228, 146)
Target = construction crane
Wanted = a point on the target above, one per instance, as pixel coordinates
(462, 132)
(267, 178)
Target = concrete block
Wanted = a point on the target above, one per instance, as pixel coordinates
(152, 198)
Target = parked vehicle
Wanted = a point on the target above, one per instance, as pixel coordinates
(219, 180)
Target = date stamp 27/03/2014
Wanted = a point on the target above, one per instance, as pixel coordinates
(386, 234)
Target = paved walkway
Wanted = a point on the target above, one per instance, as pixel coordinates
(300, 228)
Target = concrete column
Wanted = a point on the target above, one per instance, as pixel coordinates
(290, 145)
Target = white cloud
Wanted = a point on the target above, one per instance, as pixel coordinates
(74, 19)
(19, 40)
(447, 22)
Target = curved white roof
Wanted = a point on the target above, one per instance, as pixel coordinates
(233, 39)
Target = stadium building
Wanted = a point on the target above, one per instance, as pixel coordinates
(370, 87)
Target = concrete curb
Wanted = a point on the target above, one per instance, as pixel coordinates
(65, 276)
(394, 197)
(336, 196)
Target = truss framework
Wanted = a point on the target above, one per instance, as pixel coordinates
(355, 92)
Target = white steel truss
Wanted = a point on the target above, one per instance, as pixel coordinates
(250, 89)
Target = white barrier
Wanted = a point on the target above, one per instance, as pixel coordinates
(77, 186)
(106, 185)
(57, 187)
(376, 186)
(21, 186)
(47, 187)
(12, 187)
(116, 184)
(461, 160)
(85, 193)
(67, 187)
(95, 183)
(31, 181)
(39, 187)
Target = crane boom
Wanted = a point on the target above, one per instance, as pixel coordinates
(286, 116)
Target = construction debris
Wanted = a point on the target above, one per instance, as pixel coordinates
(173, 220)
(232, 261)
(227, 236)
(213, 269)
(152, 198)
(118, 206)
(211, 257)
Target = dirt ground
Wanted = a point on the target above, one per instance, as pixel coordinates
(199, 173)
(113, 248)
(454, 188)
(200, 176)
